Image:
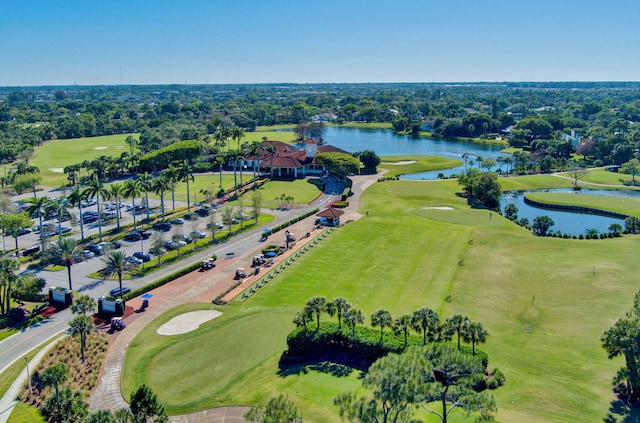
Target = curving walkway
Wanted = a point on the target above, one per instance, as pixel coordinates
(195, 286)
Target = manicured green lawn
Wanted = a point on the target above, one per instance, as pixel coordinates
(23, 413)
(302, 191)
(54, 155)
(402, 165)
(601, 176)
(628, 206)
(544, 307)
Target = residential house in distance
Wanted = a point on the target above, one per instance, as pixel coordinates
(428, 125)
(573, 138)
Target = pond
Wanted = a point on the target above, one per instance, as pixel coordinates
(572, 223)
(385, 142)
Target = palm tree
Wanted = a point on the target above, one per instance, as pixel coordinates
(82, 326)
(54, 375)
(455, 324)
(116, 264)
(465, 157)
(341, 305)
(186, 174)
(381, 318)
(233, 156)
(271, 151)
(59, 206)
(255, 149)
(302, 318)
(117, 191)
(67, 250)
(133, 188)
(76, 197)
(172, 174)
(316, 305)
(352, 317)
(427, 321)
(37, 208)
(402, 324)
(8, 277)
(475, 333)
(220, 162)
(237, 133)
(96, 189)
(146, 181)
(592, 232)
(161, 185)
(132, 143)
(83, 304)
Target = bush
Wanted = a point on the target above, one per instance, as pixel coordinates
(340, 204)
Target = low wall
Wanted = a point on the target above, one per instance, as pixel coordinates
(578, 209)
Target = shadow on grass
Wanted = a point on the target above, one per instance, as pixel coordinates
(622, 412)
(329, 365)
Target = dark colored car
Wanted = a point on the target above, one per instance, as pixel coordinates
(203, 212)
(142, 256)
(190, 216)
(162, 226)
(115, 292)
(133, 236)
(116, 244)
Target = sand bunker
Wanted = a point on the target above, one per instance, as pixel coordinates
(187, 322)
(57, 169)
(402, 162)
(99, 148)
(438, 208)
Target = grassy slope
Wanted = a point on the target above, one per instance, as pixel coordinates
(538, 297)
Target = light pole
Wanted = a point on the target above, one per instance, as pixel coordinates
(26, 359)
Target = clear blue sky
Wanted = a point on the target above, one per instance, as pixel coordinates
(62, 42)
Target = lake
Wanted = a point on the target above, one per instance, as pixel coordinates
(572, 223)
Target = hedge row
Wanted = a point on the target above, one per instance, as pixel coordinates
(163, 280)
(363, 347)
(294, 220)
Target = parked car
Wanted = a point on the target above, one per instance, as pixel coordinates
(162, 226)
(86, 254)
(96, 249)
(190, 216)
(133, 236)
(185, 238)
(115, 292)
(177, 221)
(134, 260)
(198, 235)
(217, 225)
(142, 256)
(173, 245)
(24, 231)
(145, 234)
(116, 244)
(202, 212)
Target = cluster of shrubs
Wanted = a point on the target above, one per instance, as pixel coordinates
(389, 178)
(340, 204)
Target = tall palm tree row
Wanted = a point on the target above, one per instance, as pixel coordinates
(146, 182)
(96, 189)
(161, 185)
(76, 197)
(133, 189)
(117, 192)
(172, 174)
(37, 208)
(186, 174)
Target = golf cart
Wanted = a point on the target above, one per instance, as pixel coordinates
(207, 264)
(240, 273)
(117, 323)
(258, 260)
